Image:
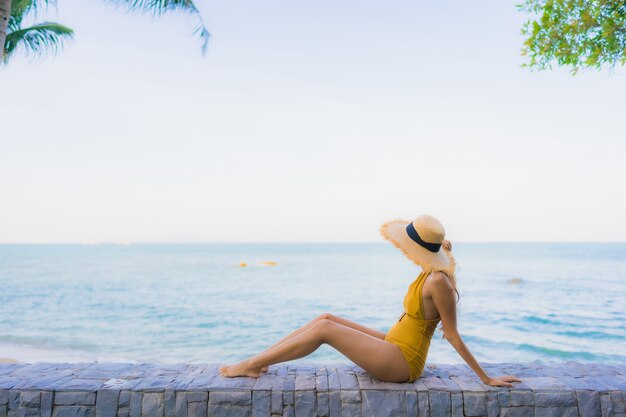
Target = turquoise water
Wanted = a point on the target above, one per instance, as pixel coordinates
(191, 303)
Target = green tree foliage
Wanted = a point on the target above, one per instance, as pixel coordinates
(574, 33)
(36, 39)
(159, 7)
(44, 37)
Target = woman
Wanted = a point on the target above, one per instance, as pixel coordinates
(400, 354)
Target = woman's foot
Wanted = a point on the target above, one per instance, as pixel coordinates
(243, 368)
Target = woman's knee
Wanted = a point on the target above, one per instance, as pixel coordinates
(325, 316)
(323, 328)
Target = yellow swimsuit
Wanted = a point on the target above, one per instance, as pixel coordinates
(412, 333)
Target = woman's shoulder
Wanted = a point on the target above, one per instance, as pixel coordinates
(440, 279)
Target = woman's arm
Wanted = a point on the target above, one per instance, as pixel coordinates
(443, 296)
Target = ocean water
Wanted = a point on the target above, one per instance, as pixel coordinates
(192, 303)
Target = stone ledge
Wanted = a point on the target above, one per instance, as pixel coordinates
(46, 389)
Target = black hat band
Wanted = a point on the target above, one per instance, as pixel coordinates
(415, 237)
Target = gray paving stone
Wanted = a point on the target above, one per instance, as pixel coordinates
(135, 404)
(277, 402)
(521, 398)
(423, 404)
(169, 403)
(124, 399)
(333, 380)
(456, 399)
(467, 384)
(555, 399)
(47, 398)
(493, 409)
(73, 411)
(410, 401)
(323, 408)
(556, 412)
(504, 398)
(348, 381)
(28, 412)
(288, 397)
(290, 383)
(383, 403)
(192, 373)
(434, 383)
(305, 404)
(180, 409)
(321, 378)
(49, 380)
(440, 403)
(106, 402)
(334, 403)
(75, 398)
(265, 382)
(366, 382)
(74, 384)
(3, 410)
(524, 411)
(474, 404)
(261, 403)
(545, 383)
(200, 409)
(14, 399)
(152, 404)
(617, 397)
(230, 398)
(451, 386)
(304, 382)
(288, 411)
(30, 399)
(197, 396)
(4, 397)
(614, 383)
(350, 403)
(606, 405)
(588, 403)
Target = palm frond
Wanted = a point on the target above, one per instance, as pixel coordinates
(36, 39)
(159, 7)
(20, 8)
(156, 7)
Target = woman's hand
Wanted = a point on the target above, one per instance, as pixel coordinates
(502, 381)
(446, 245)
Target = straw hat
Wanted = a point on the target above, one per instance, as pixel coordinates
(421, 241)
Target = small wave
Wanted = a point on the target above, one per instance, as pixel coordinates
(590, 334)
(541, 320)
(580, 355)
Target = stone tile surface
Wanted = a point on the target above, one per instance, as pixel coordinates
(48, 389)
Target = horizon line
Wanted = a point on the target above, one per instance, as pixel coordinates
(124, 243)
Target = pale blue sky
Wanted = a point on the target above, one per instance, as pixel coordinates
(306, 121)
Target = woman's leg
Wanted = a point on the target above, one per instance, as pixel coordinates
(379, 358)
(298, 331)
(356, 326)
(293, 334)
(328, 316)
(372, 332)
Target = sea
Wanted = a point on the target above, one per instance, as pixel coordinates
(208, 303)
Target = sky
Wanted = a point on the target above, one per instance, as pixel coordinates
(306, 121)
